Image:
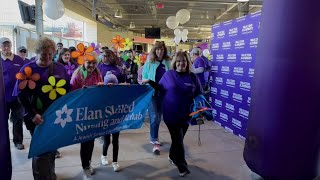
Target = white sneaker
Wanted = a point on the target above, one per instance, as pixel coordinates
(87, 174)
(116, 167)
(92, 171)
(104, 160)
(155, 143)
(156, 149)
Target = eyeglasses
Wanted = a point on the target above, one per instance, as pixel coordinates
(23, 51)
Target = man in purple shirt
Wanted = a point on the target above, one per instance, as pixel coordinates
(23, 53)
(199, 65)
(11, 64)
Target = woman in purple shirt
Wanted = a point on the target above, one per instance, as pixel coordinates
(109, 63)
(178, 87)
(36, 89)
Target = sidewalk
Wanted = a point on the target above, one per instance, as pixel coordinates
(219, 157)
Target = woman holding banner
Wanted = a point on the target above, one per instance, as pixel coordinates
(86, 75)
(35, 88)
(178, 87)
(157, 64)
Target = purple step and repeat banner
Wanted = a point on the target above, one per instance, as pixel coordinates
(233, 47)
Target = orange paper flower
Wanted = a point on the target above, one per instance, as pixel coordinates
(118, 42)
(83, 53)
(27, 78)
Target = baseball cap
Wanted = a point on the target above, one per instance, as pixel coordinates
(196, 51)
(21, 48)
(4, 39)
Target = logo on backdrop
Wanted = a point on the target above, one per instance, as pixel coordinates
(214, 90)
(246, 57)
(231, 83)
(230, 107)
(214, 69)
(251, 72)
(239, 44)
(225, 69)
(239, 19)
(227, 22)
(232, 57)
(210, 99)
(246, 86)
(238, 71)
(236, 123)
(247, 29)
(223, 117)
(220, 57)
(63, 116)
(237, 97)
(233, 32)
(218, 103)
(214, 112)
(224, 93)
(249, 101)
(215, 46)
(211, 79)
(254, 43)
(219, 80)
(212, 35)
(243, 113)
(226, 45)
(221, 34)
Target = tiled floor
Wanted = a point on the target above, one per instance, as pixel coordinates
(219, 157)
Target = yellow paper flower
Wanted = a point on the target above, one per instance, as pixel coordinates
(127, 44)
(54, 88)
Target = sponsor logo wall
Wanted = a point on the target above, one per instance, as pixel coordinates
(233, 48)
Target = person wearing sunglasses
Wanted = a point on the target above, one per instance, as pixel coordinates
(23, 53)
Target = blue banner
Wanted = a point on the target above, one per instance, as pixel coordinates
(89, 113)
(233, 47)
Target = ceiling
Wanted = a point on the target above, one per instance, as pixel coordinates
(204, 13)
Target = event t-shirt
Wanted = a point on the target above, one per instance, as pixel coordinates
(10, 69)
(199, 62)
(104, 68)
(178, 90)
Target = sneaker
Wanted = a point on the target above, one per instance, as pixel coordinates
(58, 155)
(155, 143)
(170, 160)
(116, 167)
(19, 146)
(92, 171)
(156, 149)
(104, 160)
(184, 173)
(87, 174)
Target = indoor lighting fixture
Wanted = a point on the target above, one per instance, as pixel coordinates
(132, 25)
(118, 14)
(242, 0)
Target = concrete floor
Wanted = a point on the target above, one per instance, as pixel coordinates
(219, 157)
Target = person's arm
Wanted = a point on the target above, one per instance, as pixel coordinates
(200, 66)
(155, 85)
(198, 70)
(197, 84)
(145, 71)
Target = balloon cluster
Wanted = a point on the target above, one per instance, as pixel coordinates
(53, 9)
(182, 16)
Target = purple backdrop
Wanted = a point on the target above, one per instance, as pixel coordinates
(5, 155)
(233, 47)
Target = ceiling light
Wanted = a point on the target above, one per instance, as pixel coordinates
(242, 0)
(132, 25)
(118, 14)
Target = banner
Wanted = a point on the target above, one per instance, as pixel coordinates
(233, 48)
(89, 113)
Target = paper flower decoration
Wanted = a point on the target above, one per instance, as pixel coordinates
(96, 48)
(118, 42)
(54, 87)
(27, 78)
(143, 58)
(81, 53)
(137, 60)
(127, 44)
(70, 68)
(125, 57)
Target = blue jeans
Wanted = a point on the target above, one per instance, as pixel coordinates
(155, 113)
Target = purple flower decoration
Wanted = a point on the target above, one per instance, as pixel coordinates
(70, 68)
(96, 48)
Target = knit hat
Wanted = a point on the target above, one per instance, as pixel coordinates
(110, 78)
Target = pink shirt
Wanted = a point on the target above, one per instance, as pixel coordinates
(78, 81)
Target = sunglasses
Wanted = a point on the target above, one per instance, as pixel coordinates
(23, 51)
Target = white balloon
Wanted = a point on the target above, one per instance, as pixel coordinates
(177, 32)
(184, 38)
(177, 40)
(206, 53)
(185, 32)
(54, 9)
(172, 22)
(183, 16)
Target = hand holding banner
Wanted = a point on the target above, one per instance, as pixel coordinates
(88, 113)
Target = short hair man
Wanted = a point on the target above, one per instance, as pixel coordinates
(23, 53)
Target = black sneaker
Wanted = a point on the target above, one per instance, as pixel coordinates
(183, 174)
(19, 146)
